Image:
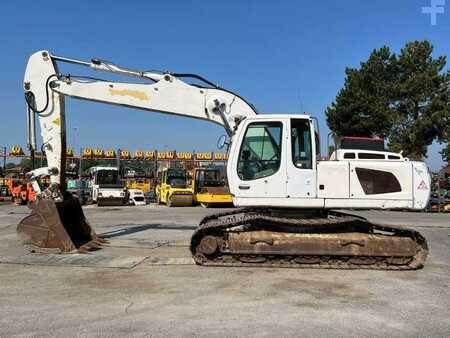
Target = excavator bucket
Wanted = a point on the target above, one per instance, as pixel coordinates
(57, 227)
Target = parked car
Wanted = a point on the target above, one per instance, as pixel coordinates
(136, 197)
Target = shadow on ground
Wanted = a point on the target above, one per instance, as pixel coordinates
(139, 228)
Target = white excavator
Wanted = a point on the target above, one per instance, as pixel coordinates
(287, 198)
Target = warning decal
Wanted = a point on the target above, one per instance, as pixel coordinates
(422, 186)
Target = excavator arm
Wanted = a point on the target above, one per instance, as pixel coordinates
(57, 222)
(45, 90)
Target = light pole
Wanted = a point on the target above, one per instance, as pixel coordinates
(74, 139)
(3, 153)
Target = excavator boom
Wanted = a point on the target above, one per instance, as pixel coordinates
(45, 90)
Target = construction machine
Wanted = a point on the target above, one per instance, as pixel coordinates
(79, 188)
(23, 194)
(287, 197)
(21, 191)
(142, 184)
(106, 187)
(209, 189)
(172, 189)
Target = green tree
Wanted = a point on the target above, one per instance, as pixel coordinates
(362, 105)
(422, 100)
(26, 164)
(10, 165)
(404, 97)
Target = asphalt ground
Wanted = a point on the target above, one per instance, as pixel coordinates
(143, 283)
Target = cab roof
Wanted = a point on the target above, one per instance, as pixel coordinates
(279, 116)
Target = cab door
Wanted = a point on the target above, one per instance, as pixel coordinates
(259, 171)
(301, 159)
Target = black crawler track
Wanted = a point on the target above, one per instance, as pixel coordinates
(222, 224)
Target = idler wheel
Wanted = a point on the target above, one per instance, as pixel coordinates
(208, 245)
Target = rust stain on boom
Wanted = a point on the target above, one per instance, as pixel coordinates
(126, 92)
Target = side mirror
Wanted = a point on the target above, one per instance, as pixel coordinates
(222, 141)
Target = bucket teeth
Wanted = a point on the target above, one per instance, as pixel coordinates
(91, 246)
(83, 250)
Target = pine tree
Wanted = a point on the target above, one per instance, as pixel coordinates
(404, 97)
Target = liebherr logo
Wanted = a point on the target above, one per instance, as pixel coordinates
(436, 7)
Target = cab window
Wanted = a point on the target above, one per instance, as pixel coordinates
(301, 143)
(176, 178)
(260, 154)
